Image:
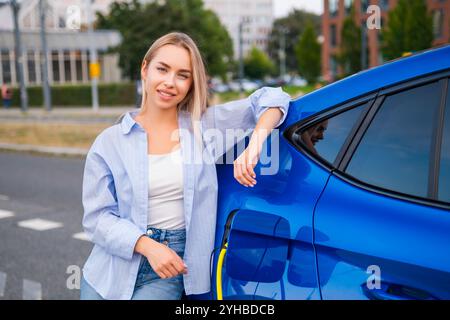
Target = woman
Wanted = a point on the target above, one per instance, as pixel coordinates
(149, 204)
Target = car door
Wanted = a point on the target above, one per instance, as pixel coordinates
(384, 216)
(267, 230)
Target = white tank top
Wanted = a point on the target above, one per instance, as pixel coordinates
(165, 198)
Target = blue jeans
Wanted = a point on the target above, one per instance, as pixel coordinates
(149, 286)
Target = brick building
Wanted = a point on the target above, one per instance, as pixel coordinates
(335, 12)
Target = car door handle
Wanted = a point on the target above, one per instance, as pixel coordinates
(389, 291)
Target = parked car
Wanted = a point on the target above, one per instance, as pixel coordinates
(359, 207)
(297, 81)
(220, 88)
(247, 85)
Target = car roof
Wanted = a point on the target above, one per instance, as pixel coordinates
(372, 80)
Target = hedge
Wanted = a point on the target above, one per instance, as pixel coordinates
(117, 94)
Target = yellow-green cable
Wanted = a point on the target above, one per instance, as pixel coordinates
(219, 272)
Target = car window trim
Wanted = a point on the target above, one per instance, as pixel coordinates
(351, 135)
(360, 133)
(416, 82)
(390, 193)
(435, 152)
(326, 114)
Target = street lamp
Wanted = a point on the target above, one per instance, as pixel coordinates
(44, 61)
(94, 67)
(242, 22)
(15, 6)
(282, 51)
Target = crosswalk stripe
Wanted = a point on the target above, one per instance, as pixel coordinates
(4, 197)
(40, 224)
(81, 236)
(6, 214)
(31, 290)
(2, 283)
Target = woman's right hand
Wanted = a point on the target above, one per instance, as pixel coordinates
(163, 260)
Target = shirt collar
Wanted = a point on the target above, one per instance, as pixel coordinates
(127, 121)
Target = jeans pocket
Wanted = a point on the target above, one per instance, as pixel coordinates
(145, 273)
(178, 247)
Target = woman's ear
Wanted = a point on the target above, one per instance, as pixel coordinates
(144, 69)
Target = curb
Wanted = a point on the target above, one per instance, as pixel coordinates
(55, 151)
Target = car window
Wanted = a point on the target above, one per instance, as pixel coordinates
(326, 138)
(444, 175)
(394, 153)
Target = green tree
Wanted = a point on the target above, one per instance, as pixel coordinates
(349, 57)
(293, 25)
(409, 28)
(140, 25)
(307, 52)
(257, 64)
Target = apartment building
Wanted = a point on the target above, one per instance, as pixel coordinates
(335, 12)
(256, 16)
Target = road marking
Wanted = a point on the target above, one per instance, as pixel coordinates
(6, 214)
(31, 290)
(2, 283)
(3, 197)
(81, 236)
(40, 224)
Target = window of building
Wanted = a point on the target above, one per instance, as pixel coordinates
(88, 57)
(384, 5)
(348, 4)
(55, 66)
(333, 66)
(78, 66)
(67, 68)
(365, 42)
(364, 5)
(333, 7)
(394, 153)
(333, 35)
(6, 66)
(444, 175)
(438, 23)
(326, 138)
(31, 66)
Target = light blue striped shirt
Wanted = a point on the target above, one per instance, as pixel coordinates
(115, 193)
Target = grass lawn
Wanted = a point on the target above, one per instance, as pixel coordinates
(51, 134)
(54, 134)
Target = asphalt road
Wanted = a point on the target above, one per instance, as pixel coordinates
(40, 212)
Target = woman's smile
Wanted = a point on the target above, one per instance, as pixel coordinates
(165, 95)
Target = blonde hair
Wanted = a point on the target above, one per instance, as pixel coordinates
(196, 99)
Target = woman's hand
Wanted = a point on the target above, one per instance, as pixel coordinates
(163, 260)
(244, 165)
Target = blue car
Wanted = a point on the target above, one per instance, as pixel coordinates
(357, 205)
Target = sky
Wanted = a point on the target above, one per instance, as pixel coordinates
(283, 7)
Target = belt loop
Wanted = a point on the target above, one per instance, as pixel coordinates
(163, 235)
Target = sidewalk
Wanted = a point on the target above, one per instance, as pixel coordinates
(63, 114)
(79, 115)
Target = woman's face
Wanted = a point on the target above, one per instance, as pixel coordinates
(168, 77)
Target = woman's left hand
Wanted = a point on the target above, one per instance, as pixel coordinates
(244, 165)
